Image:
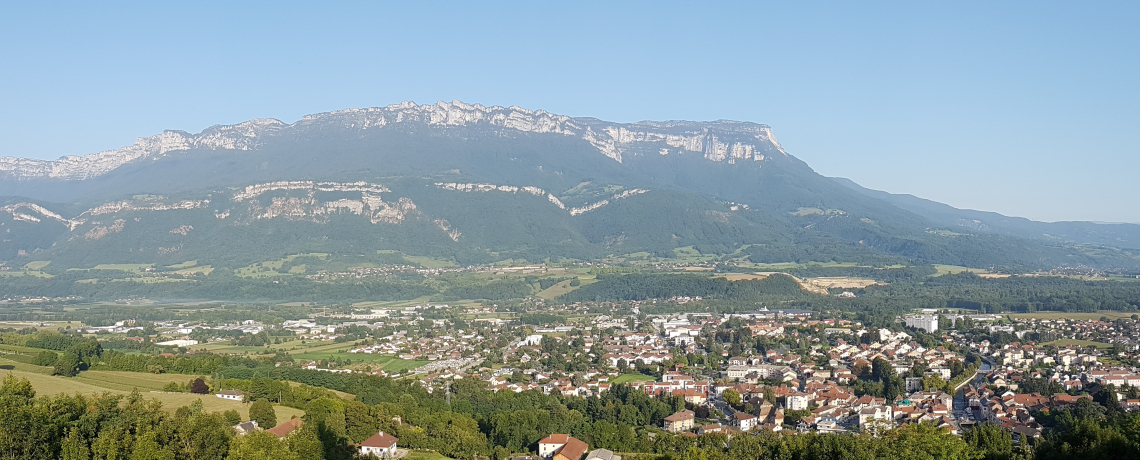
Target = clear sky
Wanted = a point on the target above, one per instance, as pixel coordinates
(1025, 108)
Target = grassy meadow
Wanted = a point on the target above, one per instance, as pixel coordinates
(119, 382)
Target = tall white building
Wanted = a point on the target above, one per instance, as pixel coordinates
(928, 323)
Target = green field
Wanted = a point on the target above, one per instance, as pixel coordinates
(322, 351)
(1110, 314)
(380, 305)
(271, 268)
(425, 455)
(151, 280)
(114, 382)
(954, 269)
(564, 287)
(429, 262)
(37, 265)
(134, 268)
(628, 378)
(388, 363)
(35, 273)
(1071, 342)
(203, 269)
(186, 264)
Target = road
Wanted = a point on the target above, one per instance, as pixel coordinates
(962, 412)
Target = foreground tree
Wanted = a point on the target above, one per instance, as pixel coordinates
(261, 411)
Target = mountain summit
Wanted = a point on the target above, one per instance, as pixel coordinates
(477, 184)
(717, 141)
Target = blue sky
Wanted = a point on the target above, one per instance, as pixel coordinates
(1024, 108)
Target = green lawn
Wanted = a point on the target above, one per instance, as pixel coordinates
(425, 455)
(1077, 343)
(627, 378)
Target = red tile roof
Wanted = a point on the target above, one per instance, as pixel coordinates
(573, 450)
(286, 427)
(382, 440)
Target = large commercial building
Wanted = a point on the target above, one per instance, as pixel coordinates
(928, 323)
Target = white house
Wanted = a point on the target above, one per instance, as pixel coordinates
(381, 444)
(797, 401)
(875, 414)
(744, 421)
(233, 395)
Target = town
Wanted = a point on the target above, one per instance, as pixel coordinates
(750, 371)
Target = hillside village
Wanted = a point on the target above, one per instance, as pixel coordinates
(776, 370)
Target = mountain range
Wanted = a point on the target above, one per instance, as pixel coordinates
(477, 184)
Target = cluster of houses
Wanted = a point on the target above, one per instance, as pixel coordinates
(380, 445)
(446, 346)
(1124, 334)
(1013, 411)
(566, 447)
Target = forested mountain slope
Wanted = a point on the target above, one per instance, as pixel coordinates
(474, 184)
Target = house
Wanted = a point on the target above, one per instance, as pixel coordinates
(680, 421)
(797, 401)
(245, 428)
(875, 414)
(381, 444)
(602, 454)
(744, 421)
(713, 428)
(233, 395)
(284, 428)
(562, 447)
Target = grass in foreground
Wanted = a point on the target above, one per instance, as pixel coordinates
(425, 455)
(113, 382)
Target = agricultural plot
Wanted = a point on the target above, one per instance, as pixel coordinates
(955, 269)
(133, 268)
(273, 267)
(564, 287)
(1091, 316)
(114, 382)
(37, 265)
(25, 272)
(429, 262)
(203, 269)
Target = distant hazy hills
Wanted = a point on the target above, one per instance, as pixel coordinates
(1110, 234)
(481, 184)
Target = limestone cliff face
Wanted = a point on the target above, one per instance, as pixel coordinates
(720, 141)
